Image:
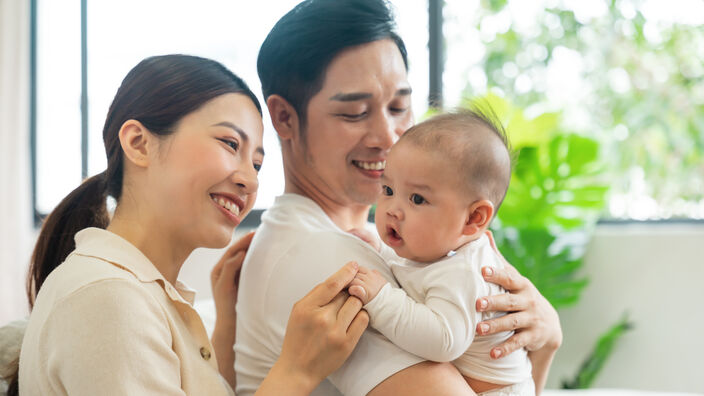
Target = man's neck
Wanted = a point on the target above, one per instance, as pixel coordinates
(344, 214)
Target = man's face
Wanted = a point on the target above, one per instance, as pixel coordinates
(361, 110)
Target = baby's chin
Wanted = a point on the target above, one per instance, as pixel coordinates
(421, 257)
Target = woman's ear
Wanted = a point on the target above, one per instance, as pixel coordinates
(283, 116)
(479, 216)
(136, 142)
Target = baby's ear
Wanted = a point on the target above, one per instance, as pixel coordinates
(478, 218)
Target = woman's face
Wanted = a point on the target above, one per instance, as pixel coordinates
(204, 175)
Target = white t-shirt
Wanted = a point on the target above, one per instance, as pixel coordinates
(434, 315)
(296, 247)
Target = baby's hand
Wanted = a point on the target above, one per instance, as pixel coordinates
(366, 284)
(367, 237)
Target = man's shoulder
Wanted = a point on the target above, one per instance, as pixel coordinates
(297, 212)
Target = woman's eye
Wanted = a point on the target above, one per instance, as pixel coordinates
(417, 199)
(232, 143)
(386, 190)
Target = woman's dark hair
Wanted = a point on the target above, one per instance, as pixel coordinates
(158, 92)
(295, 55)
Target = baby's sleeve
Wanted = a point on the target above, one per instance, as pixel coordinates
(441, 326)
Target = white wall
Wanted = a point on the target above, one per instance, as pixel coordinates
(655, 272)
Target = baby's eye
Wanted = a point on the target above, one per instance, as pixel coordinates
(418, 199)
(386, 190)
(257, 167)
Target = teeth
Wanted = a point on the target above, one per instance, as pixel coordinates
(379, 165)
(230, 206)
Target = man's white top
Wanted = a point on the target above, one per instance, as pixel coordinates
(296, 247)
(434, 315)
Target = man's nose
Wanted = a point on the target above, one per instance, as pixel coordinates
(384, 131)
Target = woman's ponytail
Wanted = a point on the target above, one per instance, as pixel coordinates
(83, 207)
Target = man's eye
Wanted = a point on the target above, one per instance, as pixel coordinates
(399, 110)
(418, 199)
(233, 144)
(386, 190)
(353, 117)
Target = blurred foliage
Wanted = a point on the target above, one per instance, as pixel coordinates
(593, 364)
(556, 193)
(635, 84)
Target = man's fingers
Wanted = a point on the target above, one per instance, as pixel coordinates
(326, 291)
(507, 277)
(502, 303)
(517, 341)
(513, 321)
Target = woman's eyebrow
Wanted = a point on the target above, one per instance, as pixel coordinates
(243, 135)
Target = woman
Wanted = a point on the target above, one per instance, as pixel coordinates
(183, 138)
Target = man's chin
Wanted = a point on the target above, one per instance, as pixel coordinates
(365, 197)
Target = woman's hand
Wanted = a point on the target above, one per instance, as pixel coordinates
(224, 280)
(322, 331)
(225, 277)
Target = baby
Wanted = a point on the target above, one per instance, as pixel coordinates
(444, 181)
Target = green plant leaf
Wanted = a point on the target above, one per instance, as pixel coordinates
(603, 349)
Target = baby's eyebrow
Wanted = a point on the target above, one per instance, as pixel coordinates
(424, 187)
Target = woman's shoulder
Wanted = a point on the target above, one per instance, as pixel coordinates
(79, 275)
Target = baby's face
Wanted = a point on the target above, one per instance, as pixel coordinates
(421, 211)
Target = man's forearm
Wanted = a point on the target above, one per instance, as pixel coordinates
(541, 361)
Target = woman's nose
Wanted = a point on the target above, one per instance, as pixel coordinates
(246, 177)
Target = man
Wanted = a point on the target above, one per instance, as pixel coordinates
(334, 75)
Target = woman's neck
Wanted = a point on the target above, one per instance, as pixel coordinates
(166, 254)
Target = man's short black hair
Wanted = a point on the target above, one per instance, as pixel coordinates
(295, 55)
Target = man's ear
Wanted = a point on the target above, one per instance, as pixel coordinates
(479, 216)
(136, 142)
(283, 116)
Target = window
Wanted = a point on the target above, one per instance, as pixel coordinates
(120, 34)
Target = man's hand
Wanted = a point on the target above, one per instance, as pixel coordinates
(366, 284)
(531, 316)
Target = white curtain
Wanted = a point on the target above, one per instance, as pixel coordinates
(16, 229)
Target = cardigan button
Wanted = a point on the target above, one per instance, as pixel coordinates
(205, 353)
